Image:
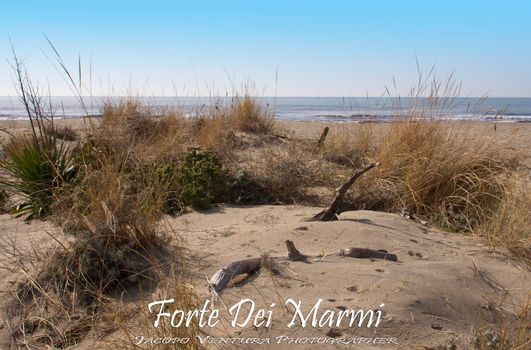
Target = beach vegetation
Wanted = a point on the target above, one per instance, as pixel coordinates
(34, 165)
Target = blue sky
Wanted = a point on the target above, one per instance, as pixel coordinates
(326, 48)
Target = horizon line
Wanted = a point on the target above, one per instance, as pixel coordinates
(259, 96)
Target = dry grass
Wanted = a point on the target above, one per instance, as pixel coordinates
(458, 182)
(436, 171)
(287, 173)
(173, 284)
(112, 210)
(350, 147)
(511, 332)
(250, 116)
(128, 122)
(216, 129)
(65, 132)
(510, 226)
(214, 132)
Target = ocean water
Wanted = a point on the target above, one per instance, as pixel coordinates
(338, 109)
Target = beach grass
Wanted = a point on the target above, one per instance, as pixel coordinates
(110, 189)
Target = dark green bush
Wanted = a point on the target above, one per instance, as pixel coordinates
(197, 180)
(201, 180)
(244, 189)
(34, 168)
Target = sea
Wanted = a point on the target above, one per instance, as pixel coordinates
(325, 109)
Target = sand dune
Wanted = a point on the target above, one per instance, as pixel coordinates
(442, 287)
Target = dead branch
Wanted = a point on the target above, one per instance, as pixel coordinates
(337, 205)
(221, 278)
(323, 137)
(293, 253)
(365, 253)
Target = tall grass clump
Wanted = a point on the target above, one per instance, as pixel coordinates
(117, 246)
(350, 147)
(251, 116)
(129, 120)
(510, 225)
(285, 174)
(216, 128)
(35, 165)
(456, 181)
(441, 171)
(109, 204)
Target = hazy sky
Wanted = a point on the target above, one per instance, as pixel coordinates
(325, 48)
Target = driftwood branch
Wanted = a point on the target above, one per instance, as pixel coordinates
(323, 137)
(366, 253)
(337, 206)
(221, 278)
(293, 253)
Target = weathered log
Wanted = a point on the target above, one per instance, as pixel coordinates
(323, 137)
(220, 280)
(365, 253)
(293, 253)
(337, 206)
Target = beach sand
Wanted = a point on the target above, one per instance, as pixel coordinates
(443, 287)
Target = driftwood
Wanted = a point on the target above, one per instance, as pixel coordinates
(221, 278)
(366, 253)
(293, 253)
(337, 206)
(323, 137)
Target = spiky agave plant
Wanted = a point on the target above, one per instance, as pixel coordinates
(34, 168)
(36, 164)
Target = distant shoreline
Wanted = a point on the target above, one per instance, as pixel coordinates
(327, 109)
(357, 119)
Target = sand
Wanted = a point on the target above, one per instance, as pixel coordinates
(443, 287)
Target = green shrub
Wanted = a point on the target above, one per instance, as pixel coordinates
(244, 189)
(34, 168)
(201, 179)
(198, 180)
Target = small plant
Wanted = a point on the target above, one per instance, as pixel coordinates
(244, 189)
(201, 180)
(36, 164)
(251, 116)
(35, 167)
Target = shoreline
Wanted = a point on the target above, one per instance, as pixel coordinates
(319, 119)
